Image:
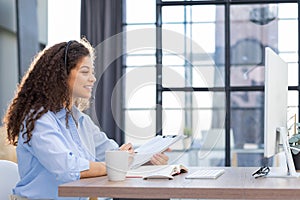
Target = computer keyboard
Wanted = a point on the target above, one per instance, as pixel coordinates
(206, 173)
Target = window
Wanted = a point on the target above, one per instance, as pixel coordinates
(200, 63)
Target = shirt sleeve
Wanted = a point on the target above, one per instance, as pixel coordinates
(54, 148)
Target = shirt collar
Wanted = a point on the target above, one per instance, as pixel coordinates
(61, 114)
(77, 114)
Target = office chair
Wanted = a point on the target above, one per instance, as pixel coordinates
(9, 177)
(7, 151)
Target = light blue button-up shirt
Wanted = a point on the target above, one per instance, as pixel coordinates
(57, 154)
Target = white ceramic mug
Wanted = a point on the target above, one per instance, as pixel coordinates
(117, 164)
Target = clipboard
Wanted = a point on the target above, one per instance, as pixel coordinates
(156, 145)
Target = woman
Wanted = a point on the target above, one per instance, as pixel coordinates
(56, 142)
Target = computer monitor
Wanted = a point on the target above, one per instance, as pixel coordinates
(275, 116)
(275, 109)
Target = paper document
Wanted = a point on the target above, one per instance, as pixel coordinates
(156, 145)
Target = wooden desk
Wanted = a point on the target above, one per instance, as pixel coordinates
(235, 183)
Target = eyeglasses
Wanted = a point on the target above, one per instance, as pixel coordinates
(261, 172)
(66, 52)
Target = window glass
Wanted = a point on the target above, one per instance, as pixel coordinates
(169, 16)
(139, 126)
(193, 55)
(293, 74)
(140, 11)
(293, 108)
(247, 123)
(208, 76)
(140, 38)
(293, 97)
(174, 38)
(287, 32)
(289, 57)
(140, 87)
(140, 60)
(249, 28)
(203, 13)
(204, 35)
(173, 59)
(173, 76)
(194, 110)
(288, 10)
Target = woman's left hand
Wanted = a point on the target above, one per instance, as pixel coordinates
(127, 147)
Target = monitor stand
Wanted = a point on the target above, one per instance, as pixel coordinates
(290, 170)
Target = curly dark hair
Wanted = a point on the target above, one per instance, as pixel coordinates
(44, 87)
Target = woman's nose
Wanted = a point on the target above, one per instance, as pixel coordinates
(93, 78)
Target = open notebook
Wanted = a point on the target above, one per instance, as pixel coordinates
(157, 171)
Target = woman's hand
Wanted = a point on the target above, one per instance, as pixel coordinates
(127, 147)
(160, 158)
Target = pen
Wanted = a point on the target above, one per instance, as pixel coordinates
(171, 136)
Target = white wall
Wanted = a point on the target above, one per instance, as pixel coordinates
(9, 47)
(8, 53)
(63, 21)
